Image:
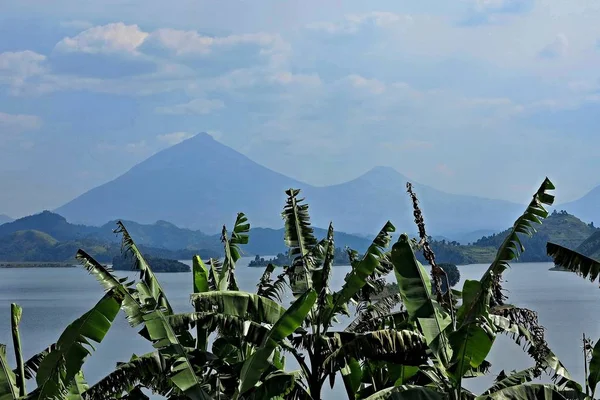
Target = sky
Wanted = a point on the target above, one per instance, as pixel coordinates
(482, 97)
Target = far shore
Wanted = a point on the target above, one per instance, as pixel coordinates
(35, 264)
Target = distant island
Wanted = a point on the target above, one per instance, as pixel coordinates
(125, 263)
(340, 257)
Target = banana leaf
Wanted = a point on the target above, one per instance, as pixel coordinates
(293, 318)
(58, 369)
(8, 381)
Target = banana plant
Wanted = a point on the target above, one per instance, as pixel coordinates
(185, 366)
(460, 336)
(57, 370)
(321, 352)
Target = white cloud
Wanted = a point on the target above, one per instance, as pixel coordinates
(16, 66)
(286, 78)
(174, 137)
(110, 38)
(558, 48)
(191, 42)
(372, 86)
(498, 5)
(195, 106)
(17, 123)
(352, 22)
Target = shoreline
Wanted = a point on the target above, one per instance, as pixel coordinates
(35, 264)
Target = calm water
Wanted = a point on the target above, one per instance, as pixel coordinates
(52, 298)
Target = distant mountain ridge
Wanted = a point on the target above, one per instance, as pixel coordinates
(160, 235)
(31, 239)
(201, 183)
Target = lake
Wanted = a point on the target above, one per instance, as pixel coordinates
(53, 298)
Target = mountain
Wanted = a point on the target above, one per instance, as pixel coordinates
(5, 218)
(198, 183)
(201, 184)
(586, 207)
(161, 235)
(48, 222)
(366, 202)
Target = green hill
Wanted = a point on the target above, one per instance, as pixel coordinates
(125, 263)
(559, 227)
(32, 245)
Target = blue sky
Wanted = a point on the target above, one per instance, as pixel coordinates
(478, 97)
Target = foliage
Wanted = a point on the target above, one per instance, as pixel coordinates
(340, 257)
(125, 263)
(420, 342)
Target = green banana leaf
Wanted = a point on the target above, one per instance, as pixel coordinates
(200, 275)
(104, 276)
(232, 251)
(150, 370)
(182, 372)
(402, 347)
(413, 280)
(293, 318)
(8, 381)
(407, 393)
(584, 266)
(58, 369)
(514, 379)
(521, 334)
(415, 290)
(151, 288)
(299, 238)
(78, 388)
(530, 391)
(269, 288)
(16, 313)
(472, 342)
(594, 375)
(241, 304)
(359, 274)
(352, 375)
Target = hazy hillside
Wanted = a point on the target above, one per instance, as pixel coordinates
(560, 227)
(32, 245)
(48, 222)
(161, 235)
(202, 184)
(4, 219)
(587, 207)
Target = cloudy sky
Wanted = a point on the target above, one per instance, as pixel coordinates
(479, 97)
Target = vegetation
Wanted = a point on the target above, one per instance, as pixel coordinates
(127, 263)
(340, 257)
(40, 247)
(419, 343)
(451, 271)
